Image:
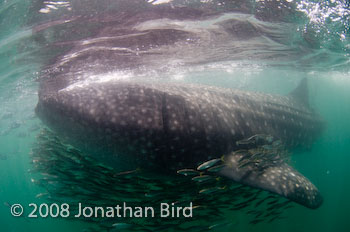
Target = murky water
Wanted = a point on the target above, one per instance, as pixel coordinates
(264, 46)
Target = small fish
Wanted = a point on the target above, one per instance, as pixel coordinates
(126, 172)
(154, 194)
(255, 221)
(240, 151)
(252, 212)
(254, 151)
(269, 138)
(188, 172)
(277, 143)
(272, 207)
(256, 138)
(211, 190)
(41, 195)
(272, 202)
(202, 178)
(258, 214)
(245, 156)
(216, 226)
(244, 163)
(241, 206)
(282, 204)
(216, 168)
(250, 140)
(262, 137)
(268, 147)
(197, 207)
(287, 205)
(208, 164)
(271, 197)
(244, 142)
(259, 202)
(121, 226)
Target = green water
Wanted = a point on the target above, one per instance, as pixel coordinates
(325, 64)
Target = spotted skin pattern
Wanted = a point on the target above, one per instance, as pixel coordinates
(281, 179)
(167, 127)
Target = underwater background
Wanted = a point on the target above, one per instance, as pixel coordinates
(310, 39)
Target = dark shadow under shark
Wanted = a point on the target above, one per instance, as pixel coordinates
(167, 127)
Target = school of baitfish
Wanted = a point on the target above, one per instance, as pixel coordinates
(68, 175)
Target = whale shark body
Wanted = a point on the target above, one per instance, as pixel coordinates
(164, 126)
(168, 127)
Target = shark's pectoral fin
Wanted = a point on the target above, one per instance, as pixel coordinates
(281, 179)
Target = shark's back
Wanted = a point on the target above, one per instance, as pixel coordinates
(175, 123)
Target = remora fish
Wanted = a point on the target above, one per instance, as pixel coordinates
(167, 127)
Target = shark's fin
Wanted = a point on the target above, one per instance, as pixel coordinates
(301, 92)
(281, 179)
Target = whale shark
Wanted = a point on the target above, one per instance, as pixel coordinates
(171, 126)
